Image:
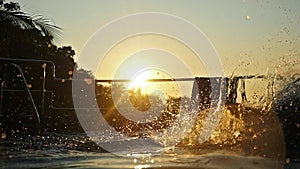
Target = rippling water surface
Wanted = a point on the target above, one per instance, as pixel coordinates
(52, 150)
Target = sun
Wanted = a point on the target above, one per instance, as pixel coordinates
(139, 80)
(149, 81)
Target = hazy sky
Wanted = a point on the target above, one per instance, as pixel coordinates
(250, 33)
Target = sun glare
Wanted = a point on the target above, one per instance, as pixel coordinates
(139, 81)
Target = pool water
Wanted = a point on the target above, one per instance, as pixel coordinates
(52, 150)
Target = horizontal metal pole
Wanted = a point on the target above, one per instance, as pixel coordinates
(148, 80)
(176, 79)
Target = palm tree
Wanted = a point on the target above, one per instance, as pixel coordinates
(12, 19)
(23, 34)
(26, 36)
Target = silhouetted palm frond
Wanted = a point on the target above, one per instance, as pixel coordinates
(16, 19)
(47, 27)
(20, 20)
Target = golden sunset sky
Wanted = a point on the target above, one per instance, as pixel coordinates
(258, 32)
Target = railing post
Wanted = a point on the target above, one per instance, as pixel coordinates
(29, 94)
(1, 95)
(43, 89)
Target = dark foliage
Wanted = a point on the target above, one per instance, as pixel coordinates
(32, 37)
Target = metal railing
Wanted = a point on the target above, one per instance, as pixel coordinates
(28, 92)
(15, 61)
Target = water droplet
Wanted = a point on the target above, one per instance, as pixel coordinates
(236, 134)
(70, 72)
(88, 81)
(3, 135)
